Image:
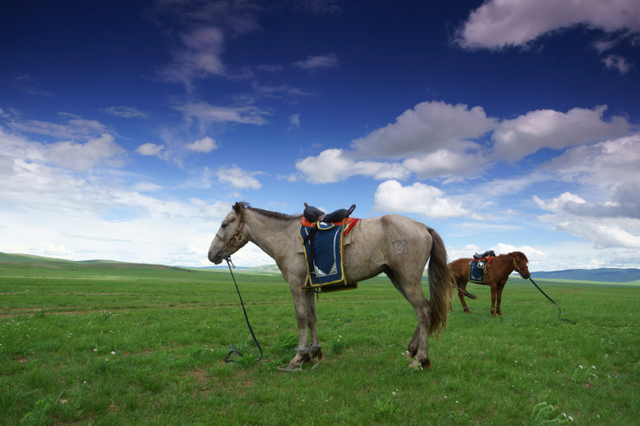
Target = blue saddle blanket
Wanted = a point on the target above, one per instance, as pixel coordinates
(476, 270)
(324, 259)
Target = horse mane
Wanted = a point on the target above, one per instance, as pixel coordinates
(515, 254)
(269, 213)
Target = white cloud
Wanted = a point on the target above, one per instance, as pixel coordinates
(49, 249)
(603, 45)
(334, 165)
(618, 63)
(125, 112)
(199, 56)
(50, 211)
(75, 128)
(445, 163)
(207, 113)
(526, 134)
(205, 144)
(295, 120)
(531, 252)
(435, 138)
(217, 210)
(238, 178)
(498, 24)
(607, 173)
(197, 50)
(568, 215)
(439, 140)
(82, 157)
(313, 63)
(29, 85)
(604, 164)
(16, 146)
(146, 187)
(419, 198)
(101, 150)
(427, 128)
(150, 149)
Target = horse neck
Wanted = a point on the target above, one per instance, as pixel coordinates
(269, 233)
(505, 263)
(510, 260)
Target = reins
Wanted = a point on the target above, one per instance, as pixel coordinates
(559, 310)
(545, 294)
(234, 350)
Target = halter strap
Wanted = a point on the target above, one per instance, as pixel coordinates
(236, 236)
(515, 265)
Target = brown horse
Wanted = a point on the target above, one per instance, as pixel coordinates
(496, 275)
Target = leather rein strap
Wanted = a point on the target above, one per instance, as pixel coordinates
(237, 237)
(545, 294)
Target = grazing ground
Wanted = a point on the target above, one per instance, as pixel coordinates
(112, 344)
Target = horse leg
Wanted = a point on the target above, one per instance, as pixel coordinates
(462, 286)
(494, 295)
(304, 305)
(418, 347)
(499, 299)
(412, 349)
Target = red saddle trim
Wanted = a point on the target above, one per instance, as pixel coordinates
(487, 260)
(348, 222)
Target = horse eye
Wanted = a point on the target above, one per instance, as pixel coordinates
(224, 225)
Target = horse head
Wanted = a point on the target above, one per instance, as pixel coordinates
(231, 236)
(521, 264)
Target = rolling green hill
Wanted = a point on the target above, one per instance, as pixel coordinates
(17, 265)
(615, 275)
(102, 267)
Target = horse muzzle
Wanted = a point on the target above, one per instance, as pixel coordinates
(217, 258)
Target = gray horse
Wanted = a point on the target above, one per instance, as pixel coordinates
(396, 245)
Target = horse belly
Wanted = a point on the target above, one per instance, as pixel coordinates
(361, 264)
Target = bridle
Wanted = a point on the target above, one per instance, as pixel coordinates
(236, 236)
(515, 265)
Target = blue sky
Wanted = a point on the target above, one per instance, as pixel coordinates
(128, 129)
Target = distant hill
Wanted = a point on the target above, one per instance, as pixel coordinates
(26, 260)
(614, 275)
(265, 269)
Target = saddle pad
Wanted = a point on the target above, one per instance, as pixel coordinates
(476, 272)
(326, 265)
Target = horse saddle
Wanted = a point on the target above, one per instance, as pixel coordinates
(486, 254)
(314, 214)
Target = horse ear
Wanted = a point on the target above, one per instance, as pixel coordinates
(238, 207)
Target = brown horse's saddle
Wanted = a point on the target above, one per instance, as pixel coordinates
(487, 254)
(478, 265)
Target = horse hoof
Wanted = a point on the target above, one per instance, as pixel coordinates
(467, 311)
(316, 353)
(417, 365)
(292, 367)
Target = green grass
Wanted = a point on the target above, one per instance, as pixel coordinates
(113, 344)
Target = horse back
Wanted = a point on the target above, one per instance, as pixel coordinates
(379, 242)
(460, 267)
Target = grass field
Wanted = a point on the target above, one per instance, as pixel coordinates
(113, 344)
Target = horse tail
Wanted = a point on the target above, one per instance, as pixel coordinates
(459, 276)
(441, 284)
(466, 293)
